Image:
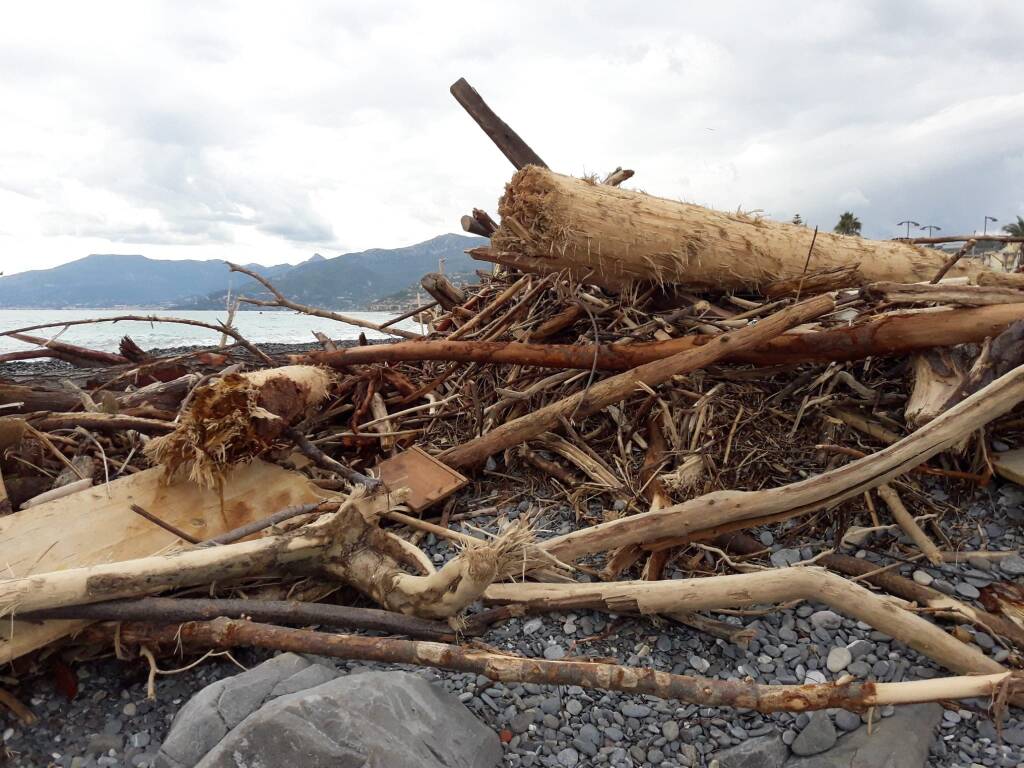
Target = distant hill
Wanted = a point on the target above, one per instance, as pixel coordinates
(350, 281)
(116, 280)
(353, 280)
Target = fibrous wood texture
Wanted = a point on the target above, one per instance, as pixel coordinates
(611, 236)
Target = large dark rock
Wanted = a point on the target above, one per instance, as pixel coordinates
(817, 736)
(763, 752)
(900, 741)
(291, 711)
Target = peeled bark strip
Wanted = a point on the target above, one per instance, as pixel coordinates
(890, 334)
(846, 694)
(235, 418)
(617, 388)
(772, 586)
(962, 295)
(730, 509)
(612, 237)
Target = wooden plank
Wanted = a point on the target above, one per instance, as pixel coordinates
(428, 480)
(97, 526)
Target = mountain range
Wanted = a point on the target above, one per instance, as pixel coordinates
(349, 281)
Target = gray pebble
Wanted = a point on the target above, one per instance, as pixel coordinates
(838, 659)
(968, 590)
(847, 721)
(1013, 565)
(568, 757)
(554, 652)
(923, 578)
(826, 620)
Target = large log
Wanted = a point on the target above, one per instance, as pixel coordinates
(612, 237)
(898, 333)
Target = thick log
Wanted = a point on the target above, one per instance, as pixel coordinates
(444, 292)
(897, 333)
(611, 236)
(617, 388)
(845, 693)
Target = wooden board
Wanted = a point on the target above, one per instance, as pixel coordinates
(428, 480)
(97, 526)
(1009, 465)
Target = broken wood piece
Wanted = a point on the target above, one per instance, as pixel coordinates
(910, 527)
(497, 130)
(235, 418)
(428, 480)
(97, 526)
(1010, 465)
(72, 353)
(444, 292)
(846, 693)
(960, 295)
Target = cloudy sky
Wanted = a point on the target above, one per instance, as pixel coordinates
(258, 131)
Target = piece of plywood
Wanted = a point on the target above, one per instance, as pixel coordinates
(1009, 465)
(97, 526)
(428, 480)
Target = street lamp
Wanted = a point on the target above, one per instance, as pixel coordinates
(931, 228)
(908, 222)
(993, 219)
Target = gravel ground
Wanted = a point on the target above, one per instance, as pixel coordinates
(111, 723)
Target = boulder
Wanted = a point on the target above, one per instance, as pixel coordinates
(295, 711)
(763, 752)
(900, 741)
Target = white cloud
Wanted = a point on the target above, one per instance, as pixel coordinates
(266, 131)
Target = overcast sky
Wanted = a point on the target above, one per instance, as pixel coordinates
(258, 131)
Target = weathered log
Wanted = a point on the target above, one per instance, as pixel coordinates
(103, 422)
(770, 586)
(845, 693)
(613, 237)
(716, 513)
(72, 353)
(890, 334)
(444, 292)
(617, 388)
(504, 138)
(235, 418)
(962, 295)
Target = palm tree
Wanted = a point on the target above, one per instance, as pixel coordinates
(848, 225)
(1015, 229)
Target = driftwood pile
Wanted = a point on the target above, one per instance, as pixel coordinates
(677, 376)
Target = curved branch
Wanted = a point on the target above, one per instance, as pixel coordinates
(283, 301)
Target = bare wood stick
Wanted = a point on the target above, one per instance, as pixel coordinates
(105, 422)
(410, 313)
(847, 694)
(963, 238)
(497, 130)
(893, 334)
(164, 524)
(741, 508)
(617, 388)
(908, 524)
(332, 465)
(153, 319)
(485, 314)
(771, 586)
(952, 260)
(283, 301)
(230, 537)
(163, 610)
